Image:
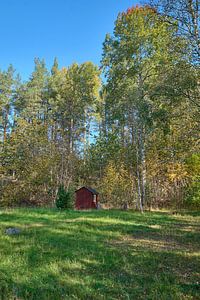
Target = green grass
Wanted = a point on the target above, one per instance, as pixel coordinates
(99, 255)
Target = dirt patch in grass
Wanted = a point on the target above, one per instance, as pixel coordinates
(148, 242)
(180, 237)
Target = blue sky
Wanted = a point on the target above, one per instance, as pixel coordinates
(71, 30)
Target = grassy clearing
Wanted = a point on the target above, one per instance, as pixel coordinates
(99, 255)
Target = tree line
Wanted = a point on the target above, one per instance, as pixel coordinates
(133, 136)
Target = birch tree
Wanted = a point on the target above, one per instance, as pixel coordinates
(133, 61)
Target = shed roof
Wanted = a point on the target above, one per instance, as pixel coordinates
(93, 191)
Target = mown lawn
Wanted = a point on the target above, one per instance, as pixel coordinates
(99, 255)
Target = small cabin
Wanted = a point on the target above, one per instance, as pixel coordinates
(86, 198)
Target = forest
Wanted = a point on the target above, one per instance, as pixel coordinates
(128, 128)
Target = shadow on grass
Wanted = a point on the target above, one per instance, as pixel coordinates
(97, 255)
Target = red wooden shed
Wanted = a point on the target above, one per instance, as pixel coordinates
(86, 198)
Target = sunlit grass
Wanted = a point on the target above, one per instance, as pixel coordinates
(99, 255)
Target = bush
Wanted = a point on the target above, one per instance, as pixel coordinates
(193, 194)
(192, 199)
(64, 198)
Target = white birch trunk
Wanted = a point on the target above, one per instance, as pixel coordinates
(143, 167)
(139, 204)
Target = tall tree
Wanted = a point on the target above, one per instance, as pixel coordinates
(7, 82)
(187, 15)
(135, 57)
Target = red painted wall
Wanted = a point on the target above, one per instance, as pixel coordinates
(84, 199)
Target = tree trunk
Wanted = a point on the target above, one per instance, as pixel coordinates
(5, 127)
(139, 203)
(137, 141)
(143, 166)
(71, 137)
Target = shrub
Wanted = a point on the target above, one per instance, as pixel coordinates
(193, 191)
(193, 194)
(115, 186)
(64, 198)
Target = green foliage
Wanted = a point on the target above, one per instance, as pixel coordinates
(116, 186)
(28, 160)
(192, 198)
(193, 164)
(186, 14)
(7, 99)
(51, 116)
(64, 198)
(151, 91)
(135, 138)
(193, 194)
